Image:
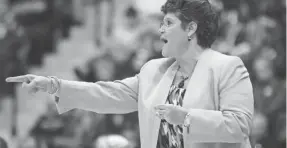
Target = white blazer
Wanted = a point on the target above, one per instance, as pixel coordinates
(219, 97)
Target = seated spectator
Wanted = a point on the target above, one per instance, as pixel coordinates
(270, 97)
(124, 42)
(149, 48)
(3, 143)
(47, 127)
(259, 127)
(97, 69)
(125, 125)
(13, 53)
(112, 141)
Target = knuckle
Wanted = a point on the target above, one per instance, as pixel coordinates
(31, 76)
(36, 82)
(28, 75)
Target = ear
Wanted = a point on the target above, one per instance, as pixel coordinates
(191, 28)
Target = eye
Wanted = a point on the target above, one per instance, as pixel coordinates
(166, 23)
(169, 23)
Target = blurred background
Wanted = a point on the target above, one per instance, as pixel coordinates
(92, 40)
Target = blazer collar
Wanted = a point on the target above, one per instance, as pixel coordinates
(161, 91)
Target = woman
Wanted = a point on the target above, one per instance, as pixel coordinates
(193, 98)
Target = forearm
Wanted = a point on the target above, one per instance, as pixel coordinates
(100, 97)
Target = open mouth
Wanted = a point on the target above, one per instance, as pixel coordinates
(164, 40)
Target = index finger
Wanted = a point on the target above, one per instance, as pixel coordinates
(23, 78)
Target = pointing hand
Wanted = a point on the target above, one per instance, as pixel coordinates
(33, 83)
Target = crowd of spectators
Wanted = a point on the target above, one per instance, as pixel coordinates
(30, 29)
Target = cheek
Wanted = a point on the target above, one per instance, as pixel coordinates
(179, 36)
(180, 43)
(177, 41)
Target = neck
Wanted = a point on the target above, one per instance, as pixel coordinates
(188, 60)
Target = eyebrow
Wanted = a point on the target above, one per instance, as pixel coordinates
(168, 19)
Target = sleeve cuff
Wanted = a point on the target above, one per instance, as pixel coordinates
(60, 108)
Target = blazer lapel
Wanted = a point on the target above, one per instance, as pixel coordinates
(159, 97)
(197, 82)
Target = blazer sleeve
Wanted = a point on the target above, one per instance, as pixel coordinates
(102, 97)
(232, 122)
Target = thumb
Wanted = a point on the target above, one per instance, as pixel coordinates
(32, 87)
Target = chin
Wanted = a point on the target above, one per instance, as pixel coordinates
(165, 53)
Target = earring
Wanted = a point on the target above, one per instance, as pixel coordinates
(189, 38)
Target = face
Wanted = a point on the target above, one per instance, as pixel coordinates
(175, 38)
(131, 22)
(262, 69)
(104, 69)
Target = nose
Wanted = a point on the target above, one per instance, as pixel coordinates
(161, 30)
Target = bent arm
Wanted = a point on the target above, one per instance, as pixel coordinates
(232, 123)
(102, 97)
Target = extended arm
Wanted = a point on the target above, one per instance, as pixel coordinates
(101, 97)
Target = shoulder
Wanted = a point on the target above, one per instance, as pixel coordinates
(227, 68)
(223, 63)
(220, 60)
(157, 64)
(155, 69)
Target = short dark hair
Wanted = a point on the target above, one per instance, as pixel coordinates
(199, 11)
(3, 143)
(131, 12)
